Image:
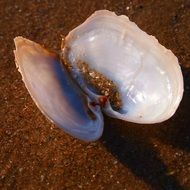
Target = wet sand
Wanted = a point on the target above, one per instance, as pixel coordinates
(35, 154)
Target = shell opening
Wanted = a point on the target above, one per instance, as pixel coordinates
(98, 83)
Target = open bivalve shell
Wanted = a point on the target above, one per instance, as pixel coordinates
(108, 64)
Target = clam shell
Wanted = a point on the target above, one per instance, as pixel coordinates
(55, 93)
(148, 76)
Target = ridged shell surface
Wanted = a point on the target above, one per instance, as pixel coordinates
(148, 76)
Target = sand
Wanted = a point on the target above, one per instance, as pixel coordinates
(35, 154)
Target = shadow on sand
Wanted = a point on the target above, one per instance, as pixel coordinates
(131, 144)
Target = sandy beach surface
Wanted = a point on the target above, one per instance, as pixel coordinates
(35, 154)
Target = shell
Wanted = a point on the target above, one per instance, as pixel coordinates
(55, 93)
(147, 75)
(143, 76)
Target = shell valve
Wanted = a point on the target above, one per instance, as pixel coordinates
(124, 64)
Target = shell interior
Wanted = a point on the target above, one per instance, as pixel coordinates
(141, 79)
(147, 75)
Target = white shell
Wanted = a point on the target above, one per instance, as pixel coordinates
(55, 93)
(147, 74)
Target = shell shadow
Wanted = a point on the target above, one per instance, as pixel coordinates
(131, 145)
